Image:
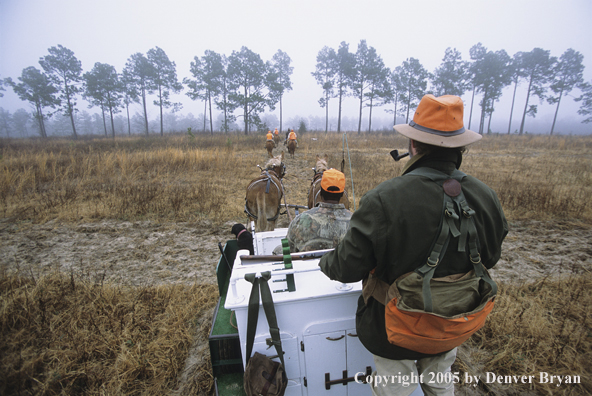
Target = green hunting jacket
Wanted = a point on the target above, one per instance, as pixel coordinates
(393, 230)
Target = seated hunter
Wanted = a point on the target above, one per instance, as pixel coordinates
(323, 226)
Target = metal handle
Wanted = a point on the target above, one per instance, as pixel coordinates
(335, 339)
(345, 379)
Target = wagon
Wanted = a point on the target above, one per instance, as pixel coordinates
(316, 318)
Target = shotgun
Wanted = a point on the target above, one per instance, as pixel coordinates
(295, 256)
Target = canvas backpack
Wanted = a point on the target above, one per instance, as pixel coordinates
(433, 315)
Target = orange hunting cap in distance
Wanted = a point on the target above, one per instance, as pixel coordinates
(333, 181)
(439, 121)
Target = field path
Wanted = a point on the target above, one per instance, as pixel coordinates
(144, 252)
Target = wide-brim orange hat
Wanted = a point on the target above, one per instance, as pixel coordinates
(439, 121)
(333, 181)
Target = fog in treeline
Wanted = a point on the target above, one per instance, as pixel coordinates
(241, 92)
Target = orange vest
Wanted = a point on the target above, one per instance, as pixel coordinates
(269, 136)
(292, 136)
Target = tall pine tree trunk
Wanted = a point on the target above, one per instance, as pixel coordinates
(145, 110)
(71, 112)
(161, 118)
(360, 115)
(370, 117)
(556, 111)
(483, 112)
(204, 113)
(512, 108)
(525, 107)
(408, 105)
(281, 111)
(211, 120)
(39, 117)
(472, 101)
(339, 111)
(104, 121)
(326, 112)
(246, 114)
(129, 125)
(112, 123)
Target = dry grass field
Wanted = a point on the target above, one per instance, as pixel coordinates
(108, 251)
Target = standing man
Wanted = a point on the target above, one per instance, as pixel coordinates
(392, 232)
(323, 226)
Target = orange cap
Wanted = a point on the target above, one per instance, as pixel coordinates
(333, 181)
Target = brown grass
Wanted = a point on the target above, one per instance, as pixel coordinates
(543, 326)
(179, 177)
(63, 334)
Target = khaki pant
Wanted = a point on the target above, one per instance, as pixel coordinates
(400, 377)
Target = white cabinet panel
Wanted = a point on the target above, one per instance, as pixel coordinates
(359, 360)
(325, 353)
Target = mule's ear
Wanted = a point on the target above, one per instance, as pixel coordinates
(282, 156)
(318, 158)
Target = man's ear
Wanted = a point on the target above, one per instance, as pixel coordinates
(412, 148)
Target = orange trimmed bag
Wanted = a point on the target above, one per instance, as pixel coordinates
(433, 315)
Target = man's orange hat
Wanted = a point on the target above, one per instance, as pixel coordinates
(333, 181)
(439, 121)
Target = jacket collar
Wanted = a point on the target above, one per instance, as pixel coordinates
(444, 160)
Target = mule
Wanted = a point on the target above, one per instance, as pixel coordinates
(314, 193)
(269, 145)
(276, 139)
(264, 195)
(291, 147)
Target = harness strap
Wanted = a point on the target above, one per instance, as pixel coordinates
(268, 179)
(268, 182)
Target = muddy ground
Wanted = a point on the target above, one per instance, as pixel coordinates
(147, 253)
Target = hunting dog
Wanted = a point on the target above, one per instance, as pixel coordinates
(243, 237)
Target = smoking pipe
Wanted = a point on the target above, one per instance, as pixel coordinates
(396, 156)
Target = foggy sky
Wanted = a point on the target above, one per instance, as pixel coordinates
(110, 31)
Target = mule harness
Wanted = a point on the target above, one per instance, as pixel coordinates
(268, 179)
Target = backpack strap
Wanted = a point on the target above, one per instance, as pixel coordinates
(253, 314)
(455, 208)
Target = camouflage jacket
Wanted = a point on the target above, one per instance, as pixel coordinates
(319, 228)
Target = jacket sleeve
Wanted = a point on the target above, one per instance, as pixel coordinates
(354, 258)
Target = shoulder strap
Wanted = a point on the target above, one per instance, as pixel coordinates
(253, 314)
(455, 208)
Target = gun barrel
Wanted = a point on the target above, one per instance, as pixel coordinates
(295, 256)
